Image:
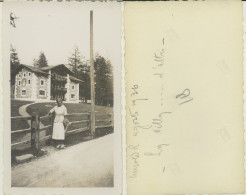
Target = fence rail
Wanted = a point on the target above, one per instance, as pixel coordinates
(35, 128)
(22, 117)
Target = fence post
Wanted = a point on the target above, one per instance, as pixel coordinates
(35, 121)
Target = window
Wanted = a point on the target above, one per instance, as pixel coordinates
(72, 86)
(42, 82)
(13, 92)
(19, 83)
(19, 75)
(29, 81)
(41, 92)
(23, 92)
(24, 75)
(29, 74)
(72, 95)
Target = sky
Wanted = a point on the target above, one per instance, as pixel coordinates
(56, 28)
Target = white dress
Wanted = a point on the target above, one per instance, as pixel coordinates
(58, 127)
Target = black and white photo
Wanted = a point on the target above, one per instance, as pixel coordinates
(63, 123)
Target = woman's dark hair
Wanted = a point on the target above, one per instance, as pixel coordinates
(58, 98)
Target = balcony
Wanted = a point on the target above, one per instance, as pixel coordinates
(61, 89)
(58, 78)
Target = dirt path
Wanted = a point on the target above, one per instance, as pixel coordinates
(88, 164)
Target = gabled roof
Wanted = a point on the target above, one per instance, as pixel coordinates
(42, 70)
(75, 79)
(66, 68)
(31, 68)
(56, 66)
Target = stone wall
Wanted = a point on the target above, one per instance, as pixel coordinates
(33, 86)
(42, 87)
(74, 91)
(23, 84)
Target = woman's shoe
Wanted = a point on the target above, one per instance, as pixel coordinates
(63, 146)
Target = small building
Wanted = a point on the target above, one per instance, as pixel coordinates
(45, 83)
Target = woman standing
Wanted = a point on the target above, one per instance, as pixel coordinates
(58, 127)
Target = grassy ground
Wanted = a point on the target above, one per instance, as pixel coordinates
(15, 105)
(44, 108)
(17, 124)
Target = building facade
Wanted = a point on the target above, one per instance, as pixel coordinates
(46, 83)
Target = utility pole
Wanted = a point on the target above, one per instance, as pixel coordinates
(93, 120)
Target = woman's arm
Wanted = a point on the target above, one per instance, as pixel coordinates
(51, 111)
(66, 121)
(65, 111)
(65, 114)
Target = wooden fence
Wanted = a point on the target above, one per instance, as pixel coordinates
(79, 122)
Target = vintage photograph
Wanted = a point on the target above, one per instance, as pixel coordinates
(64, 87)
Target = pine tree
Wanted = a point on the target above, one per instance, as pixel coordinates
(14, 59)
(75, 61)
(35, 63)
(84, 75)
(103, 79)
(42, 62)
(81, 70)
(14, 63)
